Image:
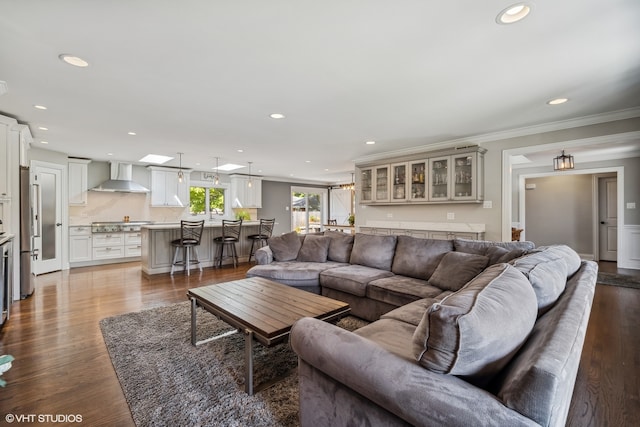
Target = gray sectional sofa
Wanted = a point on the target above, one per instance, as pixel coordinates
(467, 332)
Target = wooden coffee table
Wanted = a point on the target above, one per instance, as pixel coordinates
(263, 310)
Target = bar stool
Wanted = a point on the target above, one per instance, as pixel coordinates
(264, 232)
(230, 236)
(190, 235)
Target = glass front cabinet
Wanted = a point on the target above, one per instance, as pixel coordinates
(374, 184)
(454, 176)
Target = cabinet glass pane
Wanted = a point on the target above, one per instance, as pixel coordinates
(365, 183)
(399, 181)
(382, 183)
(439, 178)
(463, 176)
(418, 182)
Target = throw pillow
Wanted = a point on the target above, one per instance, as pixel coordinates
(418, 258)
(285, 247)
(474, 332)
(456, 269)
(340, 246)
(314, 249)
(373, 251)
(500, 254)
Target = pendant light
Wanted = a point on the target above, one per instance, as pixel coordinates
(563, 162)
(250, 184)
(180, 172)
(350, 186)
(216, 179)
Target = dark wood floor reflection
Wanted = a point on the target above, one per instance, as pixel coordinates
(62, 365)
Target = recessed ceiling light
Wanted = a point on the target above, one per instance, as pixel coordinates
(44, 142)
(276, 116)
(240, 150)
(326, 170)
(557, 101)
(73, 60)
(42, 128)
(307, 161)
(131, 133)
(155, 158)
(40, 107)
(513, 13)
(109, 154)
(370, 142)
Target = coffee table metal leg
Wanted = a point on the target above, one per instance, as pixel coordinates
(194, 327)
(193, 321)
(248, 362)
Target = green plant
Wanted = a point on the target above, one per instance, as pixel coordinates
(351, 219)
(243, 215)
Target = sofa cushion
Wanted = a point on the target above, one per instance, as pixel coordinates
(340, 246)
(474, 332)
(547, 273)
(392, 335)
(413, 312)
(500, 254)
(571, 257)
(456, 269)
(314, 249)
(400, 290)
(292, 272)
(415, 257)
(373, 251)
(285, 247)
(352, 279)
(480, 247)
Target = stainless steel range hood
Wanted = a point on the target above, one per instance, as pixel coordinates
(121, 180)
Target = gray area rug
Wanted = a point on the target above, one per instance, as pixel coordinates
(167, 381)
(618, 280)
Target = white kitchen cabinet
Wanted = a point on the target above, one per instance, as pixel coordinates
(5, 176)
(133, 244)
(80, 246)
(166, 190)
(243, 195)
(78, 185)
(108, 245)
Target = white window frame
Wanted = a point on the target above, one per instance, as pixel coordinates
(227, 204)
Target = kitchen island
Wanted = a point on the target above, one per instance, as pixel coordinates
(157, 252)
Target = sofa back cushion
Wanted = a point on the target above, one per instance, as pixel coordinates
(456, 269)
(373, 251)
(340, 246)
(285, 247)
(314, 249)
(474, 332)
(484, 247)
(418, 258)
(547, 273)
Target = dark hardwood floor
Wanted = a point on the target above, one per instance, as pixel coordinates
(62, 365)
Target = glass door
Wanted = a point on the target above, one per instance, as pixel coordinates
(463, 177)
(439, 188)
(418, 171)
(382, 184)
(399, 186)
(47, 211)
(366, 182)
(308, 209)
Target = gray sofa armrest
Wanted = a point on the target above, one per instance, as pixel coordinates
(264, 255)
(400, 386)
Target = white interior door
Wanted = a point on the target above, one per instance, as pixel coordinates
(608, 217)
(47, 210)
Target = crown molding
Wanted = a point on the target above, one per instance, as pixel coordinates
(508, 134)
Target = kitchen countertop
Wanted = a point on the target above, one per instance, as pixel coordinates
(172, 225)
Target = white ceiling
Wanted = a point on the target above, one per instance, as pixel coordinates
(202, 77)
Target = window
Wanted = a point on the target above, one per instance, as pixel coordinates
(206, 200)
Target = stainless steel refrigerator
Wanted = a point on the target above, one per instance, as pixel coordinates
(27, 251)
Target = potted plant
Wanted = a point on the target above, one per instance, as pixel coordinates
(351, 219)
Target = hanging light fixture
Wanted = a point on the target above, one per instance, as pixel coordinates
(563, 162)
(350, 186)
(180, 172)
(250, 184)
(216, 179)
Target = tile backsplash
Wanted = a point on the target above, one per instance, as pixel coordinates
(115, 206)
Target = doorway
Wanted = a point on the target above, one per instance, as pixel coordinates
(308, 209)
(46, 180)
(607, 218)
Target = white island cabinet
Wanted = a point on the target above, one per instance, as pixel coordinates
(157, 252)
